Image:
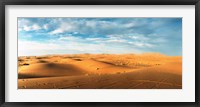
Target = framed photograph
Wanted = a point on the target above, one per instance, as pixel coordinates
(100, 53)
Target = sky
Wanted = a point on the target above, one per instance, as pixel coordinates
(44, 36)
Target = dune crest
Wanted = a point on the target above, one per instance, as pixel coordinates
(101, 71)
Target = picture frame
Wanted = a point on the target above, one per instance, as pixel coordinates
(98, 2)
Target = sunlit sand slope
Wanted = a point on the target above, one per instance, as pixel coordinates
(100, 71)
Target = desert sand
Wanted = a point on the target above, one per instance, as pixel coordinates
(100, 71)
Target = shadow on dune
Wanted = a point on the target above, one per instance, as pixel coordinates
(49, 70)
(27, 76)
(42, 61)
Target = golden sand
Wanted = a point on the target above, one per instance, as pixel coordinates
(100, 71)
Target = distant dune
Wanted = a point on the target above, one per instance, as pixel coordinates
(100, 71)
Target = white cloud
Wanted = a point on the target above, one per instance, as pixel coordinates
(68, 26)
(33, 48)
(129, 25)
(91, 23)
(75, 32)
(26, 28)
(36, 27)
(116, 40)
(26, 25)
(23, 22)
(94, 39)
(19, 29)
(142, 45)
(64, 27)
(107, 35)
(92, 27)
(57, 31)
(46, 26)
(69, 38)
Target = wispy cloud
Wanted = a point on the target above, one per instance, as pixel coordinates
(99, 35)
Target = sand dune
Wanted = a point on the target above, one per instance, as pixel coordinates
(100, 71)
(99, 67)
(49, 70)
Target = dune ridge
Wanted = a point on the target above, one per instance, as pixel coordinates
(100, 71)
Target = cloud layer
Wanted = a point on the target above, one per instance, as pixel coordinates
(41, 36)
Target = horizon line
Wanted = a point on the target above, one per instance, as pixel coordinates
(101, 54)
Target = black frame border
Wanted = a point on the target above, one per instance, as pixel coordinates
(3, 3)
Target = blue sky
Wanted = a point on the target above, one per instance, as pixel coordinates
(42, 36)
